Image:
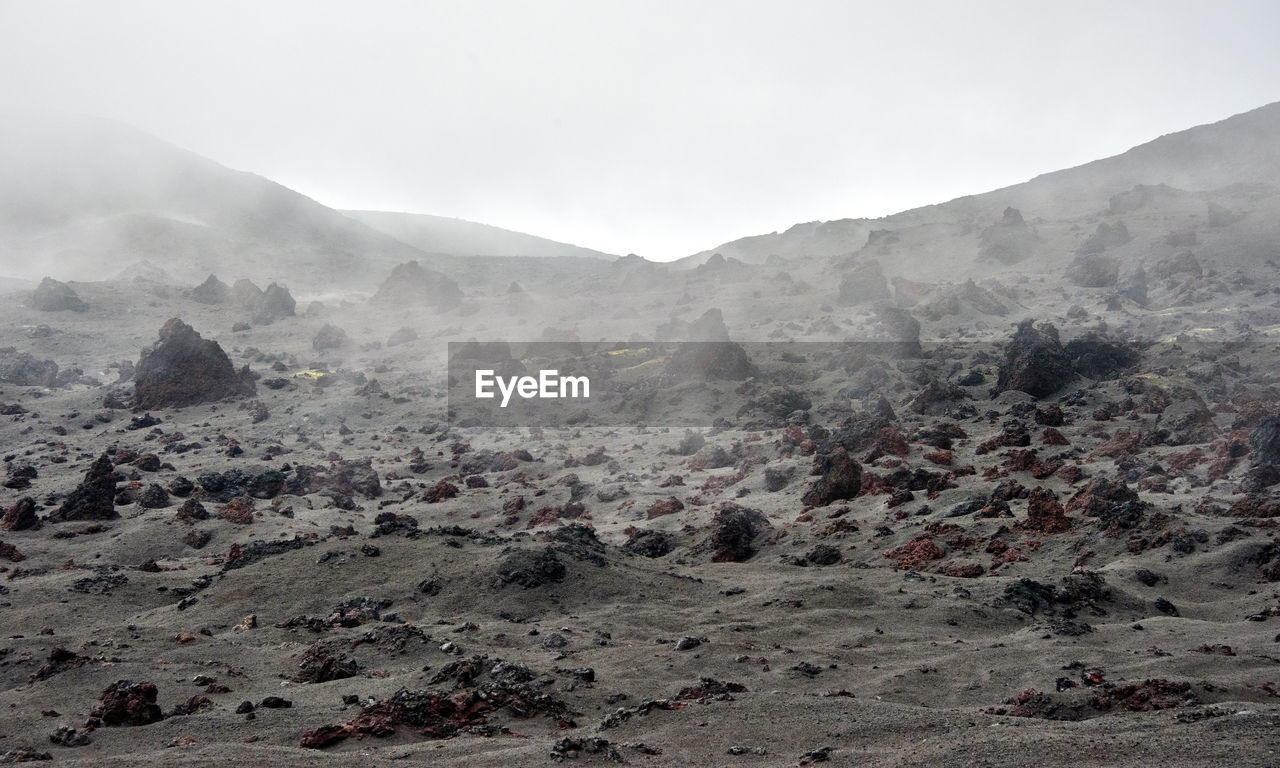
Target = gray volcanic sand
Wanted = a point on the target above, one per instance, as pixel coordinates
(894, 628)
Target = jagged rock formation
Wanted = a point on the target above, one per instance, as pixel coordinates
(184, 369)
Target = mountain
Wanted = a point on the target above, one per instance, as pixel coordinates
(84, 198)
(81, 198)
(1240, 150)
(457, 237)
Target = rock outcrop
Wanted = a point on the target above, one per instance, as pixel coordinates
(94, 498)
(183, 369)
(414, 285)
(55, 296)
(1034, 361)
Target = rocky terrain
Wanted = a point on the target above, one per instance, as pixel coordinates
(988, 483)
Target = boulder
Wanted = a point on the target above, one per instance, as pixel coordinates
(901, 330)
(1034, 361)
(329, 337)
(183, 369)
(708, 353)
(863, 284)
(412, 284)
(734, 531)
(276, 303)
(94, 498)
(55, 296)
(1264, 441)
(211, 291)
(402, 336)
(839, 478)
(23, 370)
(21, 516)
(1008, 241)
(128, 703)
(1093, 270)
(1106, 236)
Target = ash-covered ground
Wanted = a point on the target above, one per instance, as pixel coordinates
(1033, 525)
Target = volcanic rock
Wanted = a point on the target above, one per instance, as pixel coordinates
(321, 665)
(184, 369)
(1044, 513)
(901, 330)
(21, 516)
(1264, 441)
(1106, 236)
(402, 336)
(1114, 503)
(1093, 270)
(863, 284)
(1008, 241)
(94, 498)
(128, 703)
(530, 568)
(649, 543)
(734, 531)
(54, 296)
(329, 337)
(211, 291)
(154, 497)
(1099, 357)
(839, 478)
(1034, 361)
(275, 303)
(414, 285)
(23, 370)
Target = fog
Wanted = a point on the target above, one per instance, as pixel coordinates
(660, 129)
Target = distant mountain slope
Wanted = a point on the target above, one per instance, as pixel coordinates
(457, 237)
(1243, 149)
(80, 198)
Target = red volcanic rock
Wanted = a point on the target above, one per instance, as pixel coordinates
(1124, 443)
(840, 478)
(889, 442)
(1255, 505)
(128, 703)
(668, 506)
(11, 553)
(1044, 513)
(1052, 436)
(239, 511)
(60, 660)
(21, 516)
(915, 553)
(1146, 696)
(191, 511)
(439, 492)
(184, 369)
(544, 516)
(962, 570)
(941, 458)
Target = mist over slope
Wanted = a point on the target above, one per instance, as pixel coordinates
(1012, 460)
(458, 237)
(1243, 149)
(84, 198)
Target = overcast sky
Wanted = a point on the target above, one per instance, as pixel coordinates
(660, 128)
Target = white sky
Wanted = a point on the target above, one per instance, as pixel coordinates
(660, 128)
